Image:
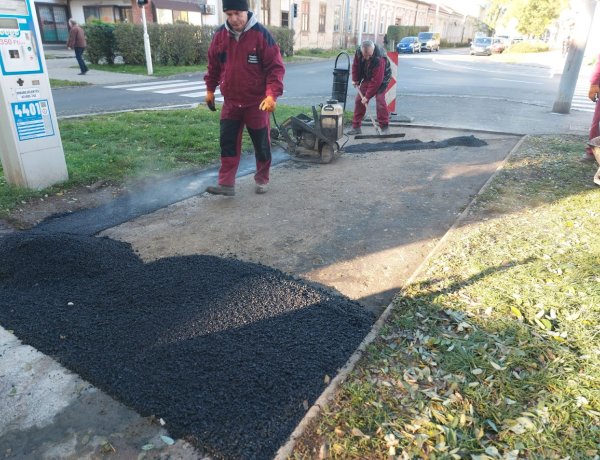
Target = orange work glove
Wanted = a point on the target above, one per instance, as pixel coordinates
(268, 104)
(210, 100)
(593, 92)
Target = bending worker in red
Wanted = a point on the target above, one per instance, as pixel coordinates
(593, 94)
(371, 74)
(245, 62)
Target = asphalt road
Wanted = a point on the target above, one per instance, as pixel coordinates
(449, 89)
(447, 73)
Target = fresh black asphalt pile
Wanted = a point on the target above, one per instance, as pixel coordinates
(228, 353)
(415, 144)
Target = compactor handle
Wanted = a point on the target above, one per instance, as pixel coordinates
(347, 58)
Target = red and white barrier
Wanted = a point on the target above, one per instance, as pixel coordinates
(390, 92)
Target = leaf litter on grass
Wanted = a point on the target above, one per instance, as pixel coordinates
(493, 352)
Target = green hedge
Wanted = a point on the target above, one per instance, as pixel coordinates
(170, 44)
(284, 38)
(130, 38)
(528, 47)
(101, 42)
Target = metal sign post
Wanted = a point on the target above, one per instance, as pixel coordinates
(30, 145)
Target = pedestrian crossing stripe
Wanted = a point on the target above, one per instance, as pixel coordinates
(581, 101)
(186, 88)
(196, 89)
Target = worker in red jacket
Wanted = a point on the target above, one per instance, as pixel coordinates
(593, 94)
(370, 74)
(245, 62)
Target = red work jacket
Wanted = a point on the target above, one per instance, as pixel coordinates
(369, 72)
(246, 70)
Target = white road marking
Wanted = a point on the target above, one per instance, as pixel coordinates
(133, 85)
(521, 81)
(171, 87)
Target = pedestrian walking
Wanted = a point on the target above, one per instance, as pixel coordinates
(245, 62)
(594, 94)
(77, 43)
(371, 74)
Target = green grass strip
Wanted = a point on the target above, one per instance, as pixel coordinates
(134, 146)
(494, 351)
(57, 83)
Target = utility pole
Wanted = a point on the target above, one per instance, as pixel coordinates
(220, 16)
(142, 4)
(568, 81)
(292, 9)
(377, 21)
(347, 24)
(360, 21)
(259, 12)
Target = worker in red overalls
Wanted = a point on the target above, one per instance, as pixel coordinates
(371, 74)
(245, 62)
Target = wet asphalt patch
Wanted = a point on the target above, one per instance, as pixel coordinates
(230, 354)
(415, 144)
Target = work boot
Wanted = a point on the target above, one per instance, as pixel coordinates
(227, 190)
(261, 188)
(588, 157)
(384, 129)
(354, 131)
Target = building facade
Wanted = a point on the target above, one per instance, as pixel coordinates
(322, 24)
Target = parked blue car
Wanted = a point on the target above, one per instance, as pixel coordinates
(409, 45)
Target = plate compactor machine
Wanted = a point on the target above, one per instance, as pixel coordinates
(307, 137)
(304, 135)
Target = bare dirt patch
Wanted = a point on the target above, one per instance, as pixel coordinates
(32, 212)
(360, 225)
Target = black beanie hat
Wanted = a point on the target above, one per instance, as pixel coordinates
(237, 5)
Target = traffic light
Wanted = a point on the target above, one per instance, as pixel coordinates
(295, 10)
(142, 2)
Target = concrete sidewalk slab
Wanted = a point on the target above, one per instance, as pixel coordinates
(62, 65)
(437, 111)
(47, 412)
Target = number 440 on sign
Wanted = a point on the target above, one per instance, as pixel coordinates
(29, 109)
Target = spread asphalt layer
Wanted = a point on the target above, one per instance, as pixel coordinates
(159, 195)
(230, 354)
(416, 144)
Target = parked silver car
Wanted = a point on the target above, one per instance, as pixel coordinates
(430, 41)
(481, 46)
(409, 45)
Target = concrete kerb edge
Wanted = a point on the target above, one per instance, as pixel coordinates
(285, 451)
